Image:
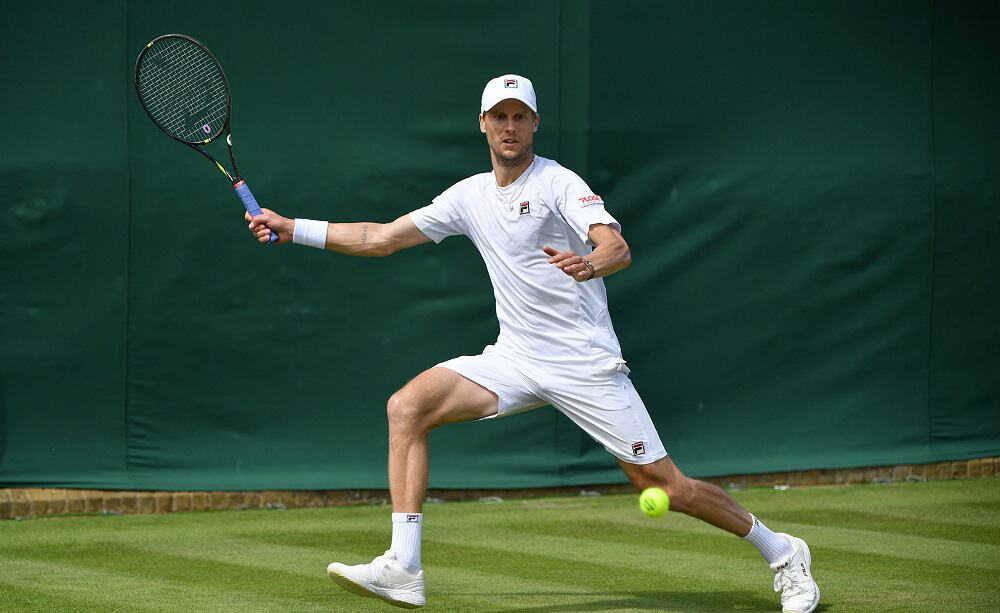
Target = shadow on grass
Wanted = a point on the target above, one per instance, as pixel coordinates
(689, 602)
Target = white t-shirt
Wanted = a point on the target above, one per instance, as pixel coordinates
(543, 313)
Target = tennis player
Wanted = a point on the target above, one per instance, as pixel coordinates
(548, 241)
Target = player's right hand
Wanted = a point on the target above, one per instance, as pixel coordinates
(267, 222)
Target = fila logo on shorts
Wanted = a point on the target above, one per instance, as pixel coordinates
(510, 83)
(524, 208)
(639, 448)
(411, 519)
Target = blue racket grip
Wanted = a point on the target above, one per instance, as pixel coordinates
(243, 191)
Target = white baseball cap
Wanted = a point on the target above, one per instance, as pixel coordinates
(508, 86)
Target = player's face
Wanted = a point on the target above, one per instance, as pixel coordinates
(510, 128)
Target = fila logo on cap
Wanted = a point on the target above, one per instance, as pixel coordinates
(510, 83)
(639, 448)
(524, 208)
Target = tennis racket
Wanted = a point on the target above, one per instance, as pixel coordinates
(183, 89)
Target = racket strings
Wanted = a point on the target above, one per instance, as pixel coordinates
(183, 90)
(179, 97)
(175, 90)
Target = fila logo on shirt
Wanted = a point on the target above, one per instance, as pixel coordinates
(412, 519)
(510, 83)
(589, 200)
(524, 210)
(639, 448)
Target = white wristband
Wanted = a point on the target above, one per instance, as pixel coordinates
(310, 233)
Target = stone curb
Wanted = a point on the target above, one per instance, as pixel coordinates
(24, 503)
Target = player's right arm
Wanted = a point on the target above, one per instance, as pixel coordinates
(366, 239)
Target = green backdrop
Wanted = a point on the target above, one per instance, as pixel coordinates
(810, 192)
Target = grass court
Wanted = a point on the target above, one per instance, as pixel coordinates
(909, 547)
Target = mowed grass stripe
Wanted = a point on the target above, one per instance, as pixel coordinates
(478, 586)
(970, 503)
(15, 596)
(68, 587)
(710, 569)
(893, 523)
(917, 549)
(943, 556)
(498, 584)
(135, 565)
(533, 553)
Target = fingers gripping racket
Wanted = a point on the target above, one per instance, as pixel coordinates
(183, 89)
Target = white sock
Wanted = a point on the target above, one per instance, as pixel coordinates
(406, 539)
(774, 548)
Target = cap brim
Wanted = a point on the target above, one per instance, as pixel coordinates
(499, 100)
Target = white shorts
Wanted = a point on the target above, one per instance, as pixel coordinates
(599, 398)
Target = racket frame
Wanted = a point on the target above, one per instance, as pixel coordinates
(226, 128)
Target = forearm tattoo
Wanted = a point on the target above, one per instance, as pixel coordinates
(364, 234)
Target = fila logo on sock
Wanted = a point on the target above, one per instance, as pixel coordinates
(524, 208)
(412, 519)
(639, 448)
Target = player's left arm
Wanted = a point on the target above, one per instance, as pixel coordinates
(610, 255)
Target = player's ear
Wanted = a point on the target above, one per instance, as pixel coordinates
(482, 123)
(538, 119)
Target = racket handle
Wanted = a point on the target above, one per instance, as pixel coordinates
(243, 191)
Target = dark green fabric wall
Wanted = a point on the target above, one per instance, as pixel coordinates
(810, 192)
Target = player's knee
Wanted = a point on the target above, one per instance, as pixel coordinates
(404, 411)
(681, 492)
(396, 409)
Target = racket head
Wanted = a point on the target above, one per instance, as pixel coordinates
(183, 89)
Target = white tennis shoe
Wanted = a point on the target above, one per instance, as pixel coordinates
(793, 578)
(383, 578)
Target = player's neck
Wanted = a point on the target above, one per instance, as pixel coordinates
(505, 175)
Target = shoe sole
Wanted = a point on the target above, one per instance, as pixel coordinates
(368, 591)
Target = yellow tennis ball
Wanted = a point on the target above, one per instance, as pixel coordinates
(654, 502)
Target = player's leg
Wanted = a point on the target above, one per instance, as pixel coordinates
(435, 397)
(699, 499)
(788, 556)
(615, 416)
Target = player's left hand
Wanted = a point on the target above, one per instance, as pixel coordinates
(570, 263)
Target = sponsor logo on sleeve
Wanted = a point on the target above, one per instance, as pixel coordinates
(589, 200)
(524, 210)
(510, 83)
